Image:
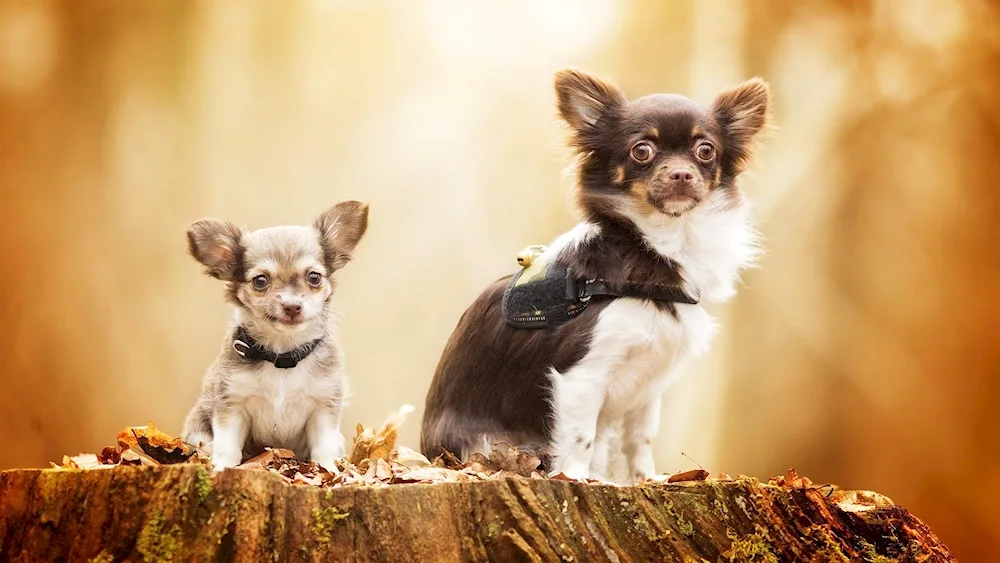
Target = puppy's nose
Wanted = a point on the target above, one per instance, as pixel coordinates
(292, 309)
(681, 175)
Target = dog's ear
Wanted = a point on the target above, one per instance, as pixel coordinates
(217, 245)
(340, 229)
(586, 103)
(743, 112)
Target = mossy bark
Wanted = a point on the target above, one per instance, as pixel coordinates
(183, 513)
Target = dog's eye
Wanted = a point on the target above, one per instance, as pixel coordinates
(705, 151)
(259, 282)
(314, 279)
(642, 152)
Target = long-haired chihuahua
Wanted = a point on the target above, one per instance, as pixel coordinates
(279, 379)
(569, 357)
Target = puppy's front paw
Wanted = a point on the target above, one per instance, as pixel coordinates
(221, 461)
(331, 447)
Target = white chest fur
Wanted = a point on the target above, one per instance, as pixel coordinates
(278, 403)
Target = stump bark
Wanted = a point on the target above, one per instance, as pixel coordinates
(184, 513)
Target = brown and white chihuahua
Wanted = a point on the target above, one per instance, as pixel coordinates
(279, 380)
(664, 228)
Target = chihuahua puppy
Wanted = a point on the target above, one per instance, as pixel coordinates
(577, 379)
(279, 379)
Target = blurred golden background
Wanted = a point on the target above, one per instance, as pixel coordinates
(862, 352)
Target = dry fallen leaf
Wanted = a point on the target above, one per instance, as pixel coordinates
(109, 456)
(410, 459)
(375, 445)
(160, 446)
(427, 475)
(382, 470)
(512, 461)
(692, 475)
(300, 478)
(134, 457)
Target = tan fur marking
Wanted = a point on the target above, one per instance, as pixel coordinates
(620, 175)
(654, 132)
(639, 200)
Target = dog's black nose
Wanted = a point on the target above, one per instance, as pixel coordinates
(292, 309)
(681, 175)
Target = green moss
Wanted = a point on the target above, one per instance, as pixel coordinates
(826, 546)
(203, 484)
(103, 557)
(683, 524)
(492, 529)
(751, 547)
(156, 545)
(872, 556)
(324, 519)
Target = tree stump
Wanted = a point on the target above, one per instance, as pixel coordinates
(184, 513)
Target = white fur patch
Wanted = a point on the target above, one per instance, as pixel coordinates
(573, 238)
(712, 243)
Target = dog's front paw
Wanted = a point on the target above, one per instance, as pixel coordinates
(331, 448)
(222, 461)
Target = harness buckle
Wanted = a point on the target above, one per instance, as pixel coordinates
(583, 296)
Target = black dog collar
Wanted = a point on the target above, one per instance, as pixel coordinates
(252, 351)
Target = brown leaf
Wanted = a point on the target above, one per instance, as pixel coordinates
(448, 459)
(263, 460)
(692, 475)
(382, 470)
(81, 461)
(109, 456)
(134, 457)
(409, 458)
(162, 447)
(427, 475)
(302, 479)
(369, 445)
(512, 460)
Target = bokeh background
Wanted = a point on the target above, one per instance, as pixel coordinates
(862, 352)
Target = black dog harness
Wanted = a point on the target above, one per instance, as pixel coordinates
(545, 293)
(252, 351)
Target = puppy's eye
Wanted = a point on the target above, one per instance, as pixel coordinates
(314, 279)
(705, 152)
(260, 282)
(642, 152)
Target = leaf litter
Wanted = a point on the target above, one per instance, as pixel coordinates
(375, 460)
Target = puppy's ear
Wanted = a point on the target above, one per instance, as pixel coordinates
(340, 228)
(585, 102)
(743, 112)
(217, 245)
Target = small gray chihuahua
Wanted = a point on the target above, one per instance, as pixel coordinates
(279, 380)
